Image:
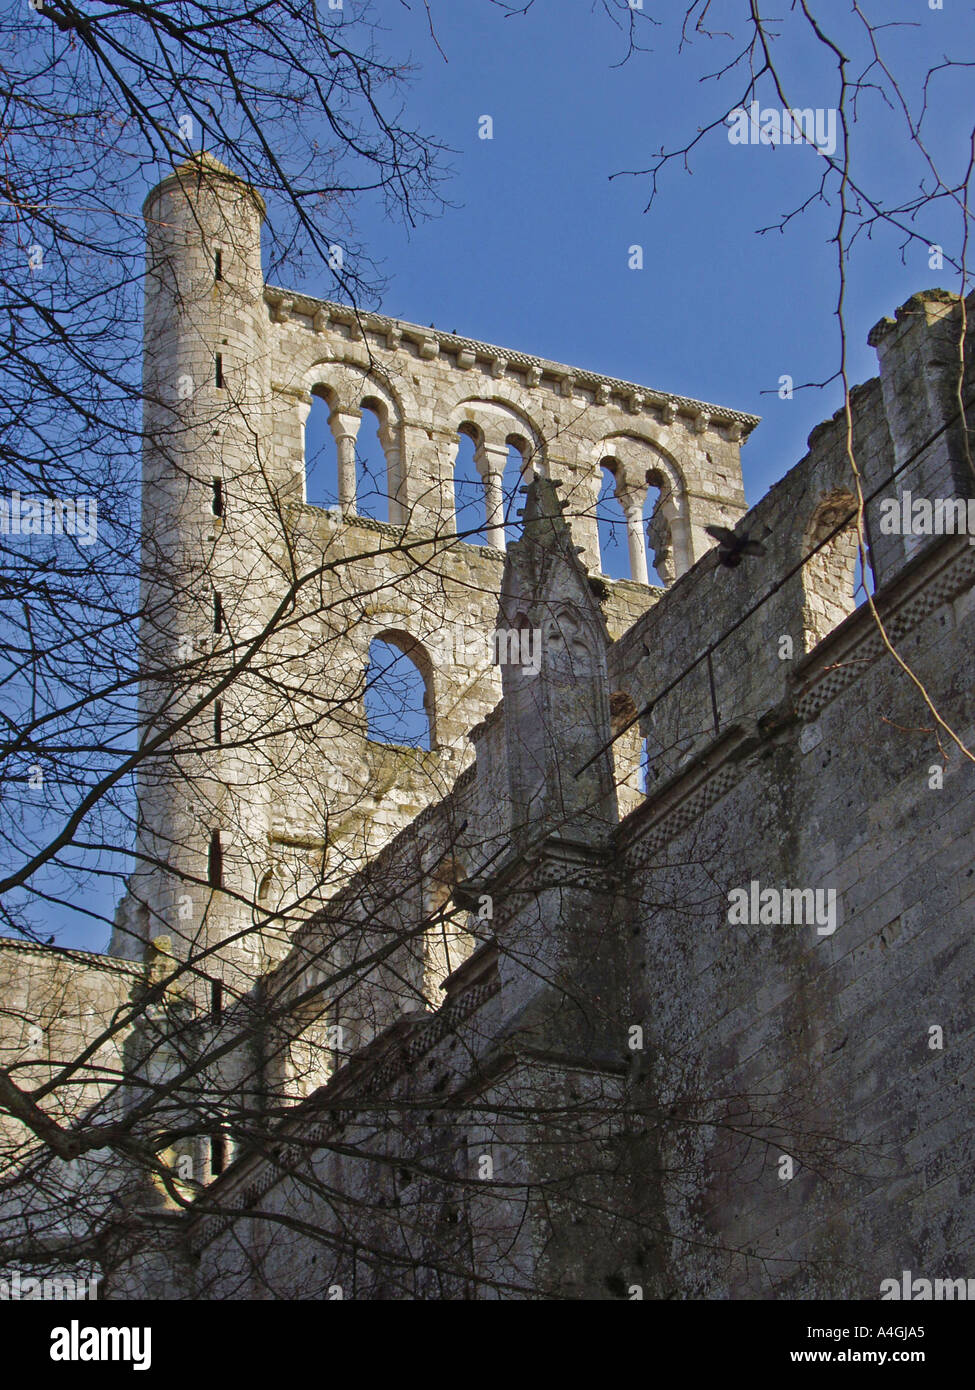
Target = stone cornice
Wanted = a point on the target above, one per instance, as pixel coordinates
(431, 342)
(402, 535)
(555, 862)
(685, 796)
(933, 578)
(87, 958)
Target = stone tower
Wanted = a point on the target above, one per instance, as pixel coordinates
(259, 609)
(209, 584)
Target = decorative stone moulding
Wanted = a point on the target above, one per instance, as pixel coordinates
(281, 307)
(464, 354)
(702, 422)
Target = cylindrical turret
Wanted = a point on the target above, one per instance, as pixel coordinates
(207, 582)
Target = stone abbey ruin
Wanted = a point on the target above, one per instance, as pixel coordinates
(473, 1020)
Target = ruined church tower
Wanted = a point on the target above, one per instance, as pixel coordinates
(267, 788)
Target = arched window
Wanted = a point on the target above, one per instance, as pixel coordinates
(614, 558)
(641, 513)
(655, 532)
(517, 472)
(264, 887)
(830, 576)
(469, 503)
(321, 456)
(399, 692)
(371, 469)
(628, 745)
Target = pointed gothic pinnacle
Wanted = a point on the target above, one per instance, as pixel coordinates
(542, 516)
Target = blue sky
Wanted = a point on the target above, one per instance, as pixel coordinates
(533, 253)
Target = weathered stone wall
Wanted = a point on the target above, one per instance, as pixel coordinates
(812, 1042)
(62, 1014)
(785, 747)
(772, 1040)
(260, 609)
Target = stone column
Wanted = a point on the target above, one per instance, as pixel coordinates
(297, 482)
(631, 499)
(490, 460)
(345, 426)
(389, 440)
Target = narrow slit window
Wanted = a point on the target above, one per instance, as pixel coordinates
(218, 265)
(216, 998)
(215, 861)
(216, 498)
(219, 370)
(218, 721)
(217, 613)
(218, 1154)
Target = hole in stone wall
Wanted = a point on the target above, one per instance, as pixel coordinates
(830, 577)
(469, 509)
(644, 778)
(513, 480)
(321, 457)
(614, 556)
(218, 1154)
(371, 473)
(215, 861)
(656, 534)
(862, 586)
(626, 751)
(448, 942)
(399, 692)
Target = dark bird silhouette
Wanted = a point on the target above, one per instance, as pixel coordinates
(732, 547)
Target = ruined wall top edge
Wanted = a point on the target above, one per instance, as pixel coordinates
(283, 302)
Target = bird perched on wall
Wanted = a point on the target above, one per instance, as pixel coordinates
(734, 546)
